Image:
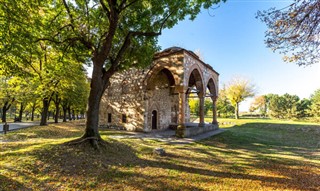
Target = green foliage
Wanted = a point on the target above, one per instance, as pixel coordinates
(122, 33)
(47, 39)
(259, 104)
(224, 107)
(194, 106)
(315, 104)
(288, 106)
(303, 108)
(207, 105)
(40, 68)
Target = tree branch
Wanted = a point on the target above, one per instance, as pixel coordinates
(124, 6)
(69, 13)
(105, 8)
(126, 44)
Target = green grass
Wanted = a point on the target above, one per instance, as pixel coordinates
(253, 154)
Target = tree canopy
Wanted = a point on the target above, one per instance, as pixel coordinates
(237, 90)
(294, 31)
(109, 34)
(224, 107)
(259, 104)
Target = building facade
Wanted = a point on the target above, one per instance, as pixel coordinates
(157, 97)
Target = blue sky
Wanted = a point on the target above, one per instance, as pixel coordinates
(232, 42)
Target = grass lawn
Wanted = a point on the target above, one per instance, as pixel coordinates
(250, 155)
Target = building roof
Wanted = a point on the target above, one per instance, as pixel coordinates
(175, 49)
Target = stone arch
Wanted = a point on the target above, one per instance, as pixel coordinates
(166, 76)
(159, 94)
(211, 85)
(195, 78)
(159, 67)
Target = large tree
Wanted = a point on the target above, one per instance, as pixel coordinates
(237, 90)
(294, 31)
(112, 34)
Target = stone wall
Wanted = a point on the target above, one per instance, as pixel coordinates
(162, 100)
(124, 97)
(128, 96)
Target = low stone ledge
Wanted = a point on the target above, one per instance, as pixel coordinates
(194, 129)
(115, 127)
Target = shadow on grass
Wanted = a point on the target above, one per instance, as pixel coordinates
(121, 165)
(84, 168)
(288, 150)
(7, 183)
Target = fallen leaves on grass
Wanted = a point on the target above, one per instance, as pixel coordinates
(247, 157)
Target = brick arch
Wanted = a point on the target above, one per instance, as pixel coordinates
(211, 85)
(158, 67)
(196, 73)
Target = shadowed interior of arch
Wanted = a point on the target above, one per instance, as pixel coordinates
(212, 88)
(164, 76)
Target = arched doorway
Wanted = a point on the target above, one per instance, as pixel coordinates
(154, 119)
(160, 99)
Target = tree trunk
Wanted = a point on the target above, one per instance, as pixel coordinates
(73, 115)
(45, 109)
(64, 114)
(56, 117)
(4, 114)
(5, 108)
(21, 112)
(96, 91)
(32, 112)
(236, 111)
(57, 104)
(69, 113)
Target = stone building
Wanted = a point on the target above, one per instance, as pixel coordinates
(157, 97)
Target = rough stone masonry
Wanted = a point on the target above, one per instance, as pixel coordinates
(157, 97)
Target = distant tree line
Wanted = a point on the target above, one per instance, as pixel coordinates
(271, 105)
(287, 106)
